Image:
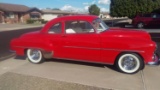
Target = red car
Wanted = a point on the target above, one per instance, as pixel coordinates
(142, 20)
(87, 38)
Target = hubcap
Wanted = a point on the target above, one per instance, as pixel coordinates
(129, 63)
(140, 25)
(35, 54)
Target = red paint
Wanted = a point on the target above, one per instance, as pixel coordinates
(103, 47)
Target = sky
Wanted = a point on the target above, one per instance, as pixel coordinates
(67, 5)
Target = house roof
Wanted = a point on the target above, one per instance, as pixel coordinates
(13, 7)
(105, 13)
(34, 9)
(50, 11)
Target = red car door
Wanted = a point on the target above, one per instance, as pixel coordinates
(54, 36)
(80, 42)
(146, 19)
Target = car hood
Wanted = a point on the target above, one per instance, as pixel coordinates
(120, 32)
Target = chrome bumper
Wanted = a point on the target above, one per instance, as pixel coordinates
(155, 60)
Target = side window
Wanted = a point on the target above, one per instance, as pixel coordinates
(158, 15)
(154, 16)
(99, 25)
(147, 15)
(55, 29)
(78, 27)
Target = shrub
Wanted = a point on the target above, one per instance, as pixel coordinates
(43, 21)
(30, 21)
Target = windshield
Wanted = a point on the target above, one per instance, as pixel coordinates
(99, 25)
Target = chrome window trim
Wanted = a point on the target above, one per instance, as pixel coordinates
(111, 49)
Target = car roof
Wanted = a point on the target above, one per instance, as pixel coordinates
(71, 17)
(67, 18)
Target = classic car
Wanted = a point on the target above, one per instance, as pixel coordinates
(143, 20)
(87, 38)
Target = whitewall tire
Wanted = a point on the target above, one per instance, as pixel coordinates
(129, 63)
(35, 56)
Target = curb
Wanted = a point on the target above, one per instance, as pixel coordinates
(16, 28)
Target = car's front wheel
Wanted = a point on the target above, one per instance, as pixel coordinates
(129, 63)
(35, 56)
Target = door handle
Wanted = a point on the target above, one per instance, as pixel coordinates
(64, 36)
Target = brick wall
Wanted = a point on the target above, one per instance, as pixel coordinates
(26, 16)
(11, 20)
(15, 17)
(1, 16)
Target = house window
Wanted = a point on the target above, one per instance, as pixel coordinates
(35, 15)
(10, 15)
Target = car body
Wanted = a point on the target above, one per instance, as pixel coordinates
(86, 38)
(142, 20)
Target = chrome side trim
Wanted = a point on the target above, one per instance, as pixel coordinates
(124, 50)
(91, 48)
(82, 47)
(104, 49)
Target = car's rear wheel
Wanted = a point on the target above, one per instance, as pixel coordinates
(35, 56)
(129, 63)
(140, 25)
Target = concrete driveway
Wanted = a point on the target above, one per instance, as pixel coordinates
(17, 74)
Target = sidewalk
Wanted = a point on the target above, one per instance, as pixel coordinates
(20, 74)
(8, 27)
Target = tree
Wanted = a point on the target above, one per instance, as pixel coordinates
(94, 9)
(129, 8)
(156, 6)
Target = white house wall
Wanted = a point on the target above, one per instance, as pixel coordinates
(48, 17)
(104, 16)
